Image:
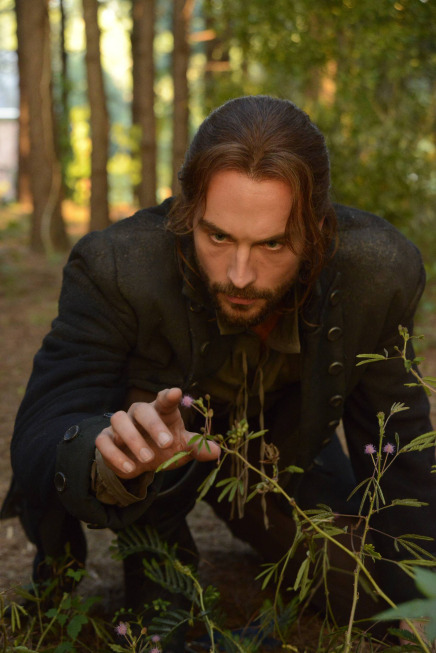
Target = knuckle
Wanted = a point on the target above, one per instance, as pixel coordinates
(103, 435)
(117, 417)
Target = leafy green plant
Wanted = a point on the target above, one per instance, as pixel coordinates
(49, 622)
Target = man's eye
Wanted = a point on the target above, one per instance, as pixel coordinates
(218, 238)
(273, 244)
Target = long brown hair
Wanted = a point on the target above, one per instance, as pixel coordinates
(265, 138)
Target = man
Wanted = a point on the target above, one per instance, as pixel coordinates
(249, 286)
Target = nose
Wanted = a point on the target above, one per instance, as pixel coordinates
(241, 271)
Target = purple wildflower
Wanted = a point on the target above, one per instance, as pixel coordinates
(154, 650)
(389, 448)
(155, 638)
(187, 401)
(121, 629)
(369, 449)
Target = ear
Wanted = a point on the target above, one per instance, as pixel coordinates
(321, 223)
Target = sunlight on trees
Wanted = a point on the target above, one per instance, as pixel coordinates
(363, 71)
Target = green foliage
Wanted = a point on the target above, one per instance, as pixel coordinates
(364, 71)
(420, 609)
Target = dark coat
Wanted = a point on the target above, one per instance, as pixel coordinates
(130, 316)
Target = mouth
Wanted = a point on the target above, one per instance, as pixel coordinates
(241, 301)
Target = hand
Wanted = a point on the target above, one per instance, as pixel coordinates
(149, 434)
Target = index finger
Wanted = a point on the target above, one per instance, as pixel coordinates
(167, 400)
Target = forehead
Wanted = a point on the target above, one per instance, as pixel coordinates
(247, 208)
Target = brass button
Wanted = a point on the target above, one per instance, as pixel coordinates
(71, 433)
(334, 333)
(333, 424)
(195, 308)
(336, 401)
(335, 297)
(335, 368)
(60, 481)
(326, 441)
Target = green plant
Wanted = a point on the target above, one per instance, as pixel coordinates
(50, 621)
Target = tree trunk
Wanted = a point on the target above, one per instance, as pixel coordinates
(24, 192)
(99, 121)
(63, 125)
(33, 31)
(143, 117)
(182, 10)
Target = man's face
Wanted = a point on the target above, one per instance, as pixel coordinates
(240, 246)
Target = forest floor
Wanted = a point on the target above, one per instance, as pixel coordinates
(28, 302)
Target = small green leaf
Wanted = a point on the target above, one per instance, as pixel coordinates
(64, 647)
(173, 459)
(207, 483)
(293, 469)
(412, 503)
(75, 625)
(376, 357)
(370, 550)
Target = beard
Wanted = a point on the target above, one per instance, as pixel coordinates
(243, 315)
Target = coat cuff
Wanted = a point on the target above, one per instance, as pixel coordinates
(110, 489)
(75, 457)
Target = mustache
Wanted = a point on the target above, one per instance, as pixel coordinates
(241, 293)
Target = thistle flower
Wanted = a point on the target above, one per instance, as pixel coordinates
(155, 638)
(389, 448)
(187, 401)
(121, 629)
(155, 650)
(369, 449)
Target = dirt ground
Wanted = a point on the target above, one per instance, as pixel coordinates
(28, 299)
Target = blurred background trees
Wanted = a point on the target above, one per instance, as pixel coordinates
(112, 90)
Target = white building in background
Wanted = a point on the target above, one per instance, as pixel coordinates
(9, 112)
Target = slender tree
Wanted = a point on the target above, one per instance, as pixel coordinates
(143, 116)
(182, 10)
(99, 120)
(24, 192)
(64, 85)
(33, 31)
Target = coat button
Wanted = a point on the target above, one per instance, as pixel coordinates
(334, 333)
(333, 424)
(60, 481)
(71, 433)
(335, 368)
(204, 347)
(335, 297)
(195, 308)
(326, 441)
(336, 401)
